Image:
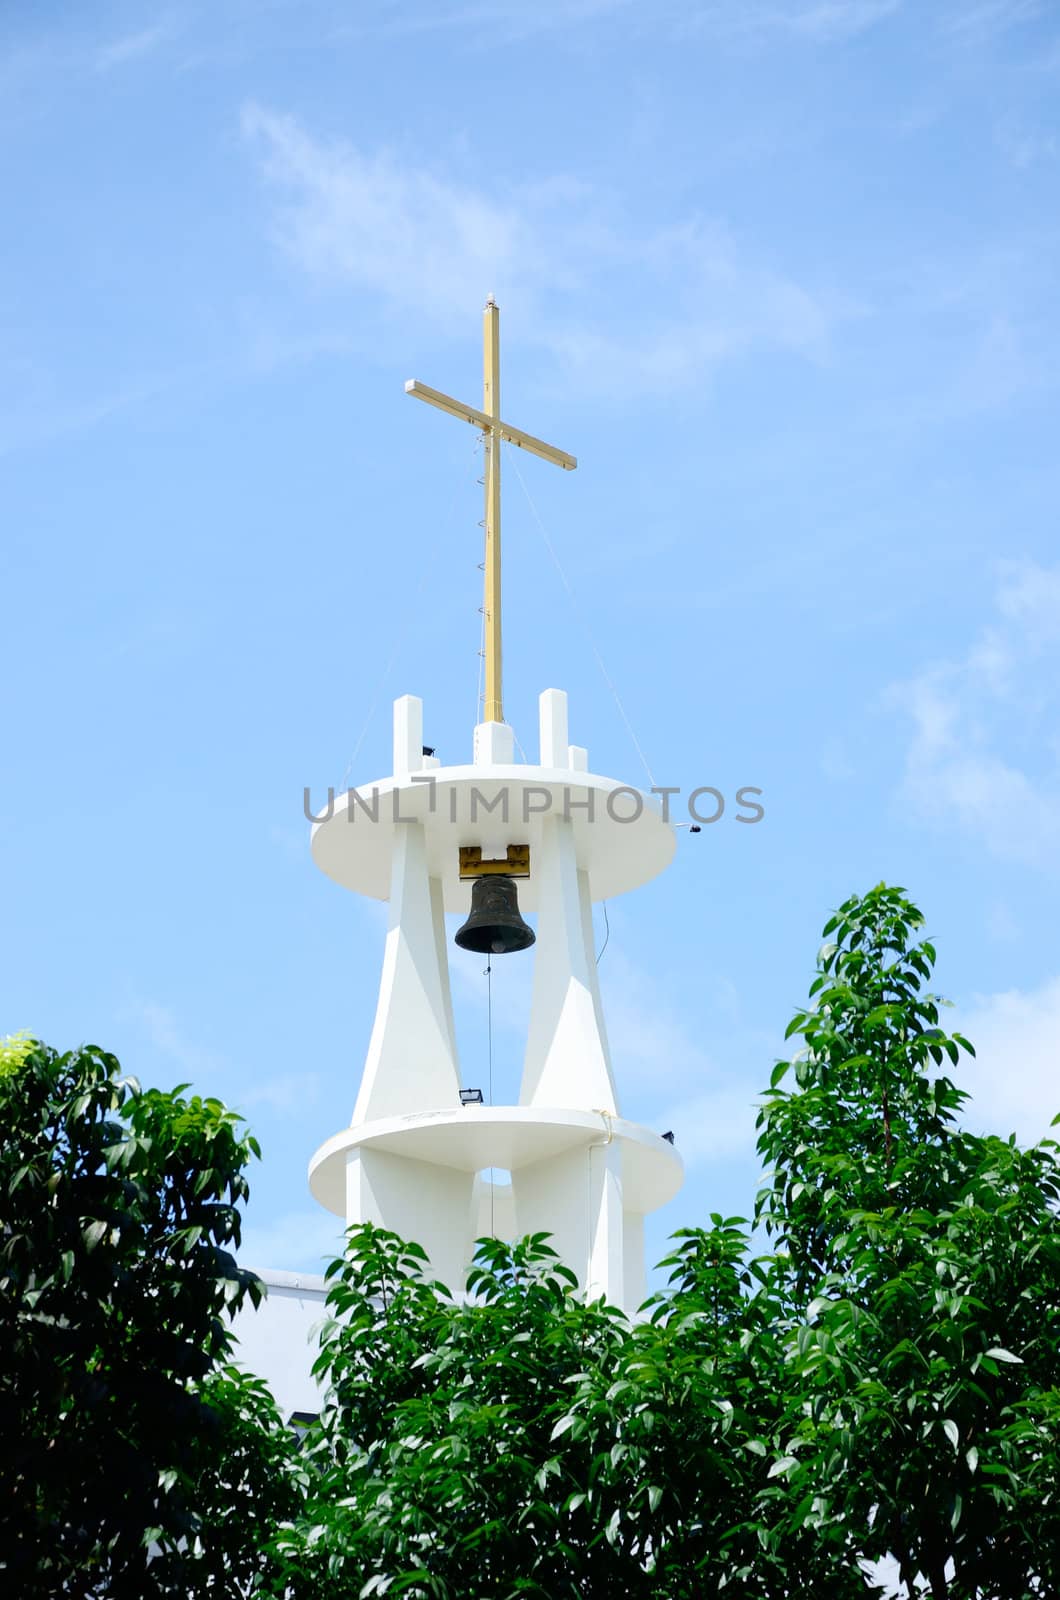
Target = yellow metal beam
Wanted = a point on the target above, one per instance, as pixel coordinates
(479, 419)
(493, 709)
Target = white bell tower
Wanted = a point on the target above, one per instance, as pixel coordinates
(414, 1158)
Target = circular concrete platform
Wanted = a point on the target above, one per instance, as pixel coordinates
(621, 843)
(509, 1137)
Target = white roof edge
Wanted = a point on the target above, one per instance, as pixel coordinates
(311, 1282)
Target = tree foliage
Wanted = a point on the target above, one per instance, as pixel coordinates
(882, 1382)
(870, 1371)
(132, 1462)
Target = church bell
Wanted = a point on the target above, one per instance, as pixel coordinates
(494, 926)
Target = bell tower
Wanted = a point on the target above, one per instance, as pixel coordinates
(490, 840)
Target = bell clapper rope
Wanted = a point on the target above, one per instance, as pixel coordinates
(489, 1080)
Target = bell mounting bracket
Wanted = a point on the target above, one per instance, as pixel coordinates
(515, 864)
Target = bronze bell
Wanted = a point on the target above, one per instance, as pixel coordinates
(494, 926)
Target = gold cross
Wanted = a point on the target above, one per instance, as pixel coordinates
(493, 432)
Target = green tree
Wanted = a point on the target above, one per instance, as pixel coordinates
(525, 1442)
(919, 1273)
(132, 1461)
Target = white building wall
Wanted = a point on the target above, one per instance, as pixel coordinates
(277, 1341)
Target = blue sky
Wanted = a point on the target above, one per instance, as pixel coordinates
(783, 275)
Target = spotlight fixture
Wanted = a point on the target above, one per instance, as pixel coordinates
(428, 750)
(668, 1137)
(471, 1097)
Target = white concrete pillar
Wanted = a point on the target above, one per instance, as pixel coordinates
(606, 1271)
(552, 1196)
(425, 1203)
(576, 1197)
(585, 906)
(494, 745)
(441, 951)
(634, 1280)
(412, 1061)
(408, 735)
(552, 722)
(567, 1061)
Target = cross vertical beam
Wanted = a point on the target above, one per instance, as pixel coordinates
(494, 433)
(493, 711)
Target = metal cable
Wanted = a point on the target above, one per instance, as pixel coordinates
(582, 619)
(489, 1047)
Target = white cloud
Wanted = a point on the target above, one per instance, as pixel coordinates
(838, 18)
(169, 1039)
(982, 19)
(210, 1071)
(131, 46)
(398, 231)
(663, 1071)
(812, 19)
(713, 1125)
(287, 1091)
(1023, 146)
(1030, 597)
(35, 415)
(509, 17)
(980, 757)
(1014, 1079)
(414, 238)
(651, 1047)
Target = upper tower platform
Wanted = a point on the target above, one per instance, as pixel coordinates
(619, 837)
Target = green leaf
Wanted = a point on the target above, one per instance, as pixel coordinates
(93, 1234)
(1004, 1355)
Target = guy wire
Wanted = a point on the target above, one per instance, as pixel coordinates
(607, 933)
(579, 613)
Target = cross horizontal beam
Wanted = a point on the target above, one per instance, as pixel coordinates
(479, 419)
